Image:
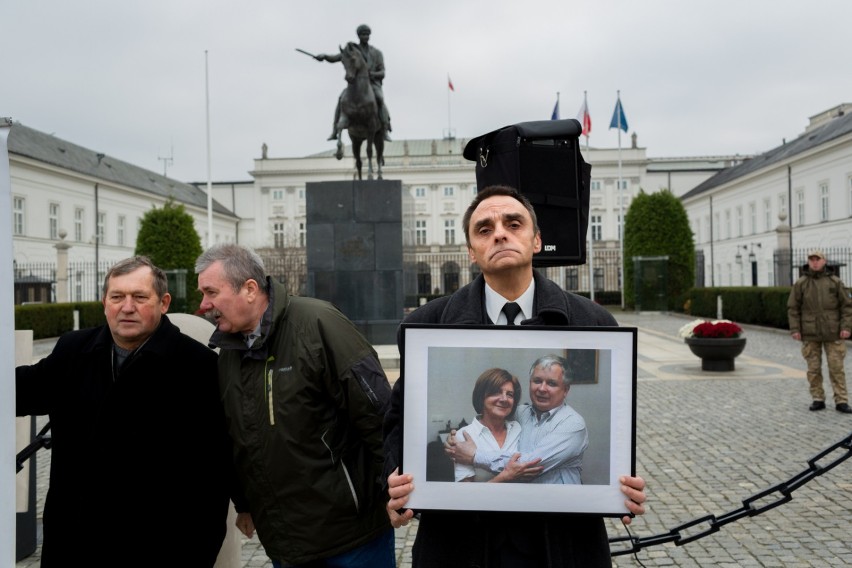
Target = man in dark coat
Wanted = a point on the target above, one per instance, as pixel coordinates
(139, 446)
(502, 235)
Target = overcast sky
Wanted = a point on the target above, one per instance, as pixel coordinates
(697, 77)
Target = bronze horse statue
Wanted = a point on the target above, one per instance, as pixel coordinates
(359, 112)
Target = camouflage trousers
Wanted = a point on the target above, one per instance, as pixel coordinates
(835, 351)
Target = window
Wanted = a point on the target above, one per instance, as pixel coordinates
(823, 202)
(278, 235)
(449, 231)
(767, 214)
(849, 191)
(697, 231)
(449, 191)
(715, 228)
(301, 193)
(739, 220)
(572, 280)
(18, 215)
(597, 227)
(800, 207)
(618, 220)
(302, 234)
(752, 215)
(79, 213)
(102, 228)
(277, 195)
(782, 205)
(53, 220)
(727, 224)
(596, 185)
(419, 192)
(119, 229)
(420, 232)
(621, 185)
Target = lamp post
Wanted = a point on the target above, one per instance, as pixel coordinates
(752, 258)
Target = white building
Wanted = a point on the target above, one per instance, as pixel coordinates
(91, 201)
(741, 217)
(441, 184)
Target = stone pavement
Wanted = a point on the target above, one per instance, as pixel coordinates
(705, 442)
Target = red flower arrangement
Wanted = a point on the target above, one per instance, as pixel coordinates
(719, 329)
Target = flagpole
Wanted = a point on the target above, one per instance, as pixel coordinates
(592, 232)
(209, 179)
(621, 198)
(449, 123)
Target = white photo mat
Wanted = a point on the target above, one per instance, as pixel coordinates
(441, 364)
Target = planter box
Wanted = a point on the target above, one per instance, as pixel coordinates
(717, 354)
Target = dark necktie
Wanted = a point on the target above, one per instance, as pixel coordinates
(511, 309)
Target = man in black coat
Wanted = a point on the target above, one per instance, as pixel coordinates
(139, 446)
(502, 235)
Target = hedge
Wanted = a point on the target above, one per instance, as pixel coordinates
(52, 320)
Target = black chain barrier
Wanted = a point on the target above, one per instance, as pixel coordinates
(755, 505)
(752, 506)
(42, 440)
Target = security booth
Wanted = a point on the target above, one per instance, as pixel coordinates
(650, 276)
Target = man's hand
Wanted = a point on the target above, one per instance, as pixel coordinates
(634, 488)
(245, 524)
(517, 470)
(460, 451)
(399, 488)
(798, 336)
(844, 334)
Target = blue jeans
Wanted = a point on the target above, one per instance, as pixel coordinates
(378, 553)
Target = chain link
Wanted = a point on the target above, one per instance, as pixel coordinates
(750, 508)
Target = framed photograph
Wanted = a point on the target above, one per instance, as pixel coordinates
(560, 399)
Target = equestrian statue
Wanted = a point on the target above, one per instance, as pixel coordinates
(361, 109)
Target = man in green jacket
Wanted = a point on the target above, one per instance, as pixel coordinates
(820, 314)
(304, 395)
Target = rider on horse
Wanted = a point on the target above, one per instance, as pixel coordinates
(376, 65)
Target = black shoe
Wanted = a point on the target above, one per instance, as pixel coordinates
(818, 405)
(844, 408)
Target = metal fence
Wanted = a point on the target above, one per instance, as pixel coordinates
(429, 273)
(36, 282)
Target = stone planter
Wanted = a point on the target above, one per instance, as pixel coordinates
(717, 354)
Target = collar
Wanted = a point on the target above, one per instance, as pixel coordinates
(494, 303)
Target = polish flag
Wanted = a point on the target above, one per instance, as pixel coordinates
(585, 118)
(450, 84)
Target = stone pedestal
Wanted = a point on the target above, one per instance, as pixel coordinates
(354, 252)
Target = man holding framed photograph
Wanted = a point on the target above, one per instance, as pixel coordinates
(502, 235)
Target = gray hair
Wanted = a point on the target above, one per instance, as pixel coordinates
(132, 264)
(239, 264)
(549, 361)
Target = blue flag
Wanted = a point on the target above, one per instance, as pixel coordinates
(555, 115)
(618, 118)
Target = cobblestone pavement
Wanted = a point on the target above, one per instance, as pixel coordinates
(705, 442)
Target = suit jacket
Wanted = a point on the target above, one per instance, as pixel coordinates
(501, 539)
(138, 454)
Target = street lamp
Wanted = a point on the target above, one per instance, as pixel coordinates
(752, 258)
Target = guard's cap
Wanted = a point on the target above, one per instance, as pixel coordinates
(816, 252)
